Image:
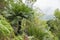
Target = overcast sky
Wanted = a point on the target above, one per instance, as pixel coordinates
(48, 6)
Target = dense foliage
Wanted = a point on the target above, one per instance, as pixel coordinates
(21, 22)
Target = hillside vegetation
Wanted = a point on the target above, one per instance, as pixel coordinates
(18, 21)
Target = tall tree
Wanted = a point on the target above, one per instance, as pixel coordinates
(54, 24)
(15, 12)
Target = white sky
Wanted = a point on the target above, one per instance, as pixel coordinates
(48, 6)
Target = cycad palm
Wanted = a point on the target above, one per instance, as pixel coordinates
(16, 12)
